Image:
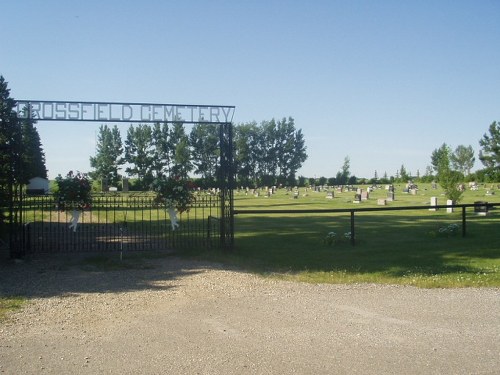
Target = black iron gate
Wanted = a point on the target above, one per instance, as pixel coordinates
(119, 222)
(96, 231)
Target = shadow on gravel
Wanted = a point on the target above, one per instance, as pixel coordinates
(50, 276)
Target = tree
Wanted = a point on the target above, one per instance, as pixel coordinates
(290, 149)
(32, 155)
(246, 156)
(162, 154)
(490, 152)
(448, 178)
(10, 149)
(440, 155)
(344, 174)
(108, 158)
(180, 151)
(204, 140)
(463, 159)
(403, 175)
(449, 181)
(138, 153)
(267, 158)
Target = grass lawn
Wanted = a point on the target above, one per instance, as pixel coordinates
(395, 247)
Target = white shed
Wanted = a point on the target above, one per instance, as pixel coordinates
(38, 185)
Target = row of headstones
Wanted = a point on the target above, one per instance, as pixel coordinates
(480, 208)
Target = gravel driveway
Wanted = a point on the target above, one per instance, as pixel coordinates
(188, 317)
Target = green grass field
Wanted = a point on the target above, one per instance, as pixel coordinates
(396, 247)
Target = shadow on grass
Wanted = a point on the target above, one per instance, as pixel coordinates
(392, 244)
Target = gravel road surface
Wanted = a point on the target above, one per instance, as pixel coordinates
(188, 317)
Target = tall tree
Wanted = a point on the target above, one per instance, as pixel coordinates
(204, 140)
(246, 142)
(281, 151)
(32, 155)
(344, 174)
(138, 153)
(448, 178)
(108, 157)
(490, 152)
(10, 147)
(439, 156)
(161, 150)
(462, 159)
(180, 151)
(403, 174)
(267, 151)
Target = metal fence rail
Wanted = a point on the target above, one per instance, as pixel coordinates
(117, 222)
(478, 207)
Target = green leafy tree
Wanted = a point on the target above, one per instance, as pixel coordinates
(403, 174)
(448, 178)
(462, 159)
(108, 158)
(139, 154)
(490, 152)
(179, 151)
(440, 155)
(246, 157)
(182, 159)
(10, 150)
(162, 155)
(32, 155)
(267, 159)
(344, 174)
(290, 150)
(204, 140)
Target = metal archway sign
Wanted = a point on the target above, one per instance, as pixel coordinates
(116, 112)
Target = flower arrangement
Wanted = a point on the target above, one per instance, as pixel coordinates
(449, 230)
(332, 238)
(173, 192)
(74, 192)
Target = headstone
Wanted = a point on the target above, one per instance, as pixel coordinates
(434, 202)
(413, 191)
(364, 195)
(481, 208)
(390, 196)
(449, 202)
(125, 185)
(382, 202)
(357, 198)
(329, 195)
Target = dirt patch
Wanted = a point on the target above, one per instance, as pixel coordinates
(182, 316)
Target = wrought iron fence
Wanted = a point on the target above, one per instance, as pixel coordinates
(118, 222)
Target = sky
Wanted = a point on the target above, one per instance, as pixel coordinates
(382, 82)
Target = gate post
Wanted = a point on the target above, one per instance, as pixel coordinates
(226, 185)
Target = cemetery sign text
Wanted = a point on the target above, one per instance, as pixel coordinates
(123, 112)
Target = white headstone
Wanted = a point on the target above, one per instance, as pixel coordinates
(434, 202)
(449, 202)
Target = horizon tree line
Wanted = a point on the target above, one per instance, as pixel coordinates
(265, 154)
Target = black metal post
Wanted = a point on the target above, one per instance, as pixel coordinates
(464, 224)
(352, 228)
(226, 185)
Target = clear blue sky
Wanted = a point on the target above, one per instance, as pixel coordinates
(383, 82)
